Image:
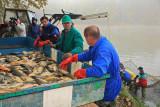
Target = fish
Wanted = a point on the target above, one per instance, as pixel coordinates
(2, 72)
(14, 53)
(27, 62)
(2, 60)
(4, 68)
(53, 67)
(18, 72)
(27, 72)
(25, 59)
(32, 56)
(30, 69)
(5, 86)
(40, 69)
(24, 52)
(17, 79)
(26, 78)
(24, 86)
(8, 80)
(39, 80)
(64, 72)
(14, 87)
(9, 74)
(12, 58)
(66, 78)
(27, 68)
(51, 79)
(2, 77)
(43, 63)
(44, 74)
(33, 73)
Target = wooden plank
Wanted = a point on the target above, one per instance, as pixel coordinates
(61, 97)
(88, 92)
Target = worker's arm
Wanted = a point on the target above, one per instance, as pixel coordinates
(100, 65)
(136, 77)
(55, 36)
(85, 56)
(78, 40)
(21, 27)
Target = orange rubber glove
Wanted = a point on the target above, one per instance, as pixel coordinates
(81, 73)
(43, 43)
(36, 42)
(69, 60)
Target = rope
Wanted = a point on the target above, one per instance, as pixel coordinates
(108, 27)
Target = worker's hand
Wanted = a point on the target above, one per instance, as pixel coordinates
(69, 60)
(36, 42)
(51, 44)
(43, 43)
(81, 73)
(18, 21)
(67, 55)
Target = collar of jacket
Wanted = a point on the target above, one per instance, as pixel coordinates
(97, 44)
(48, 25)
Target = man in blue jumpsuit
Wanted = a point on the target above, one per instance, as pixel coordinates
(104, 60)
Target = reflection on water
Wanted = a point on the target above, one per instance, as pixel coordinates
(141, 43)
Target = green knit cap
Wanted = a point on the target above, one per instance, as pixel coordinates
(66, 18)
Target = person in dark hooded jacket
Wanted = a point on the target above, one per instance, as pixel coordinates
(34, 30)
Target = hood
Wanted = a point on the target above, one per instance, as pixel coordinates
(33, 18)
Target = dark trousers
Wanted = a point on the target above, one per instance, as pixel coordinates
(107, 103)
(143, 90)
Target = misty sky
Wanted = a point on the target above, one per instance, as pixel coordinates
(120, 11)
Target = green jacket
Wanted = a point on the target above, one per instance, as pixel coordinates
(144, 76)
(73, 42)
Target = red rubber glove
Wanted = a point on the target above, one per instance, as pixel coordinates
(81, 73)
(36, 42)
(69, 60)
(43, 43)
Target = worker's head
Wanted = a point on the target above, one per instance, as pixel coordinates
(91, 34)
(140, 68)
(34, 20)
(121, 73)
(44, 20)
(66, 22)
(120, 62)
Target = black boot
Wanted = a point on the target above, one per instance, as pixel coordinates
(136, 88)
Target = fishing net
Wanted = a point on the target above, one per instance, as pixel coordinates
(153, 85)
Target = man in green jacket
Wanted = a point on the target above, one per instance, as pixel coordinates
(71, 41)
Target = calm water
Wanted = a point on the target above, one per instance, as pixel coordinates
(139, 43)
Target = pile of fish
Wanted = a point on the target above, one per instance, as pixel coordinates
(29, 69)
